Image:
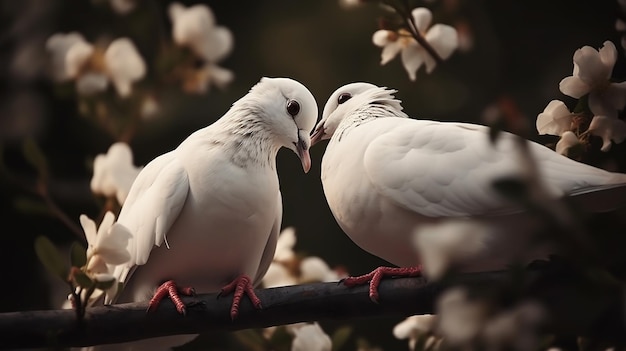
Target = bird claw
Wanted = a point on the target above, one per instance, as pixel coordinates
(170, 289)
(240, 286)
(374, 278)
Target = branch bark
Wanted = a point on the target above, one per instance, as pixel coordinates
(284, 305)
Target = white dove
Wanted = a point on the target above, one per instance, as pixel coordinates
(384, 175)
(215, 201)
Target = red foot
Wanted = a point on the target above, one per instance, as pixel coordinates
(375, 276)
(170, 289)
(241, 285)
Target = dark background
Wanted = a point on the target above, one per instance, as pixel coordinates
(522, 49)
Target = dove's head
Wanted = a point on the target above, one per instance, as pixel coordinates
(290, 112)
(348, 99)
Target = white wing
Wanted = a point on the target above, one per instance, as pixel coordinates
(153, 205)
(448, 169)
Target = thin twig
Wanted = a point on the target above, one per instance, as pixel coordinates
(410, 23)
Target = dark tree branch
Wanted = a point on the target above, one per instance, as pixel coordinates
(311, 302)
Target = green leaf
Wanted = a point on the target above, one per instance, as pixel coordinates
(78, 255)
(35, 157)
(82, 279)
(50, 257)
(340, 337)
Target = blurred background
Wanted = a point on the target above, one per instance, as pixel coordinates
(516, 49)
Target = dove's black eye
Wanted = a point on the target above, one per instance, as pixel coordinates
(293, 107)
(344, 97)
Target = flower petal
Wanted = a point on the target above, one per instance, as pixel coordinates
(412, 60)
(449, 243)
(555, 119)
(311, 337)
(58, 45)
(124, 65)
(591, 69)
(77, 55)
(278, 275)
(574, 87)
(285, 244)
(608, 56)
(389, 52)
(89, 227)
(380, 38)
(91, 83)
(568, 139)
(615, 94)
(412, 326)
(217, 44)
(422, 17)
(314, 269)
(609, 129)
(444, 39)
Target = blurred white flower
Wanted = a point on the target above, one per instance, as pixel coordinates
(350, 3)
(460, 319)
(442, 38)
(278, 275)
(555, 119)
(123, 7)
(93, 68)
(285, 244)
(567, 141)
(289, 269)
(114, 172)
(105, 244)
(517, 329)
(310, 337)
(414, 327)
(314, 269)
(149, 107)
(194, 27)
(609, 129)
(592, 73)
(444, 244)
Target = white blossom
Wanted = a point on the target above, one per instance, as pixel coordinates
(567, 141)
(284, 246)
(442, 38)
(314, 269)
(609, 129)
(591, 75)
(123, 7)
(555, 119)
(287, 268)
(310, 337)
(106, 244)
(350, 3)
(278, 275)
(444, 244)
(194, 27)
(413, 327)
(149, 107)
(517, 329)
(114, 172)
(73, 58)
(460, 319)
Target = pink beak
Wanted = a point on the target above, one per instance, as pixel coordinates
(317, 135)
